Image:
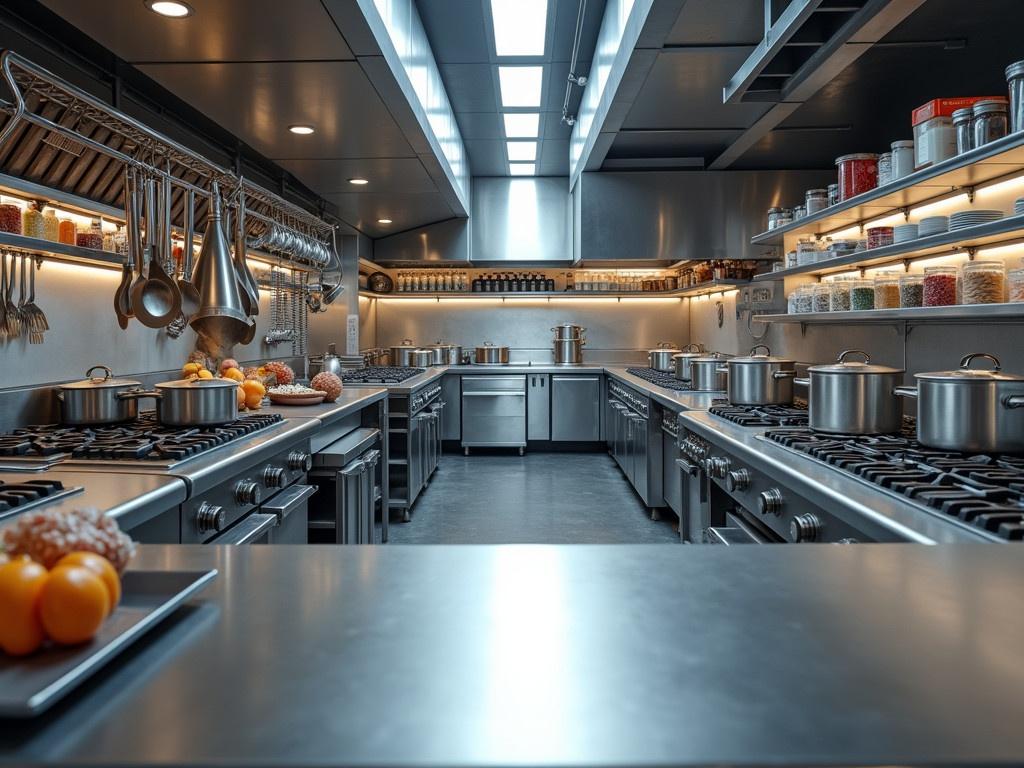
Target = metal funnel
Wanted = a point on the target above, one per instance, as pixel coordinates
(221, 314)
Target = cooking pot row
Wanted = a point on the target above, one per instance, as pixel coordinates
(409, 355)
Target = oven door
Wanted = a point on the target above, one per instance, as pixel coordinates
(291, 506)
(695, 516)
(735, 531)
(255, 528)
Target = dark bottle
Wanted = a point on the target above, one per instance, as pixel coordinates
(513, 284)
(503, 283)
(488, 283)
(531, 284)
(478, 284)
(570, 282)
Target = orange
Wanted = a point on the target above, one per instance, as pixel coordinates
(241, 396)
(73, 604)
(253, 387)
(205, 374)
(102, 567)
(21, 581)
(188, 368)
(253, 401)
(234, 373)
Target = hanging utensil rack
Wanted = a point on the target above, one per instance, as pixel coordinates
(71, 119)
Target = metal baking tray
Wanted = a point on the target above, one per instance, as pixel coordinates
(29, 685)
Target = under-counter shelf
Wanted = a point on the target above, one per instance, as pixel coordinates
(958, 313)
(987, 163)
(1005, 231)
(701, 289)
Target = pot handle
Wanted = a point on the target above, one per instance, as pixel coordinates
(968, 359)
(692, 348)
(1013, 401)
(784, 374)
(843, 355)
(801, 382)
(905, 392)
(139, 394)
(756, 347)
(107, 373)
(664, 345)
(721, 369)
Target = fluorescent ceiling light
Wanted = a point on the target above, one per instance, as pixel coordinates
(520, 86)
(302, 130)
(522, 150)
(523, 125)
(519, 27)
(172, 9)
(522, 169)
(357, 181)
(383, 221)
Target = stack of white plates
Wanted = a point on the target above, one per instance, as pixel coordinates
(972, 218)
(1018, 206)
(932, 225)
(904, 232)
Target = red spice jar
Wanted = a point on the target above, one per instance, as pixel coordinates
(939, 286)
(10, 218)
(857, 174)
(67, 231)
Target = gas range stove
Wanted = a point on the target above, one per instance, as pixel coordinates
(380, 375)
(986, 491)
(17, 497)
(660, 379)
(761, 415)
(143, 441)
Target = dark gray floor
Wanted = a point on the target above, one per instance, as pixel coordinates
(540, 498)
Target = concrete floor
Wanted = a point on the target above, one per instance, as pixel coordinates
(540, 498)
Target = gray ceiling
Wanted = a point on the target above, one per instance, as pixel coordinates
(461, 37)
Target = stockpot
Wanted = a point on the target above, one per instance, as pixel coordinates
(707, 373)
(854, 397)
(401, 354)
(445, 354)
(489, 354)
(421, 358)
(661, 358)
(978, 411)
(567, 331)
(759, 379)
(99, 400)
(195, 402)
(568, 351)
(681, 360)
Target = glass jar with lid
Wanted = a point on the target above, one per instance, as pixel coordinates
(774, 214)
(91, 237)
(10, 217)
(839, 294)
(1015, 281)
(862, 295)
(939, 286)
(902, 158)
(887, 290)
(815, 200)
(963, 124)
(820, 297)
(911, 291)
(32, 224)
(991, 120)
(984, 282)
(858, 173)
(806, 253)
(51, 225)
(803, 299)
(833, 194)
(884, 168)
(68, 231)
(799, 212)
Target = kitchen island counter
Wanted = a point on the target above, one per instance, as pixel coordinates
(351, 400)
(567, 656)
(677, 401)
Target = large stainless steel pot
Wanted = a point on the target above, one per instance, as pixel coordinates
(401, 354)
(569, 351)
(99, 400)
(660, 359)
(978, 411)
(760, 379)
(489, 354)
(681, 360)
(854, 397)
(445, 354)
(707, 373)
(421, 358)
(196, 402)
(567, 331)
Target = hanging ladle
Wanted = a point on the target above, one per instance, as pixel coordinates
(190, 298)
(122, 296)
(245, 278)
(156, 299)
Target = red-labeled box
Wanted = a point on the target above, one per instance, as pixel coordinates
(934, 135)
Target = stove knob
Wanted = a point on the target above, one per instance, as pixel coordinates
(770, 501)
(300, 461)
(804, 527)
(247, 492)
(273, 477)
(718, 467)
(737, 480)
(209, 517)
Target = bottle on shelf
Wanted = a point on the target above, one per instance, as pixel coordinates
(570, 281)
(478, 284)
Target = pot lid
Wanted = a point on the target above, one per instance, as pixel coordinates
(442, 345)
(406, 343)
(100, 382)
(197, 384)
(490, 345)
(757, 359)
(966, 373)
(665, 346)
(688, 355)
(842, 365)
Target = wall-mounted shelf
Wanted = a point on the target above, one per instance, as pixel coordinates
(992, 161)
(1002, 232)
(703, 289)
(48, 249)
(959, 313)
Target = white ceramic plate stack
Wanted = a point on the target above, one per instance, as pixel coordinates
(933, 225)
(1018, 206)
(972, 218)
(904, 233)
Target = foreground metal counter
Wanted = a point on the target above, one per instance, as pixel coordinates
(585, 655)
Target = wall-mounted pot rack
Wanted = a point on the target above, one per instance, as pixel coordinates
(72, 120)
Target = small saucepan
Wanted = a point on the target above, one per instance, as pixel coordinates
(98, 400)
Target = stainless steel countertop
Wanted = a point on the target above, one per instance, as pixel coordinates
(677, 401)
(563, 656)
(131, 498)
(830, 488)
(350, 400)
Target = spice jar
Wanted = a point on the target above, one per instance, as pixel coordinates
(820, 297)
(887, 290)
(939, 286)
(10, 218)
(67, 231)
(799, 212)
(963, 124)
(91, 237)
(884, 168)
(774, 214)
(815, 200)
(803, 299)
(807, 253)
(858, 173)
(911, 290)
(862, 295)
(839, 295)
(991, 120)
(833, 194)
(51, 226)
(984, 282)
(1016, 282)
(902, 159)
(1015, 80)
(32, 224)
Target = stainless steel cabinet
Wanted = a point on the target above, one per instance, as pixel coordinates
(670, 472)
(576, 408)
(451, 394)
(343, 511)
(538, 406)
(494, 411)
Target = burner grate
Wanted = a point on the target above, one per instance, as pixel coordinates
(381, 374)
(761, 415)
(660, 379)
(21, 496)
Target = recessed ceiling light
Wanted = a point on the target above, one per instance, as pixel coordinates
(358, 181)
(522, 150)
(302, 130)
(520, 86)
(522, 125)
(172, 9)
(383, 221)
(519, 27)
(522, 169)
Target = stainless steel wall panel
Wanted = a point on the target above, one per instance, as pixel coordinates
(444, 243)
(521, 219)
